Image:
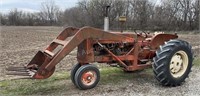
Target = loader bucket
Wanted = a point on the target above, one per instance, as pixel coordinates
(31, 70)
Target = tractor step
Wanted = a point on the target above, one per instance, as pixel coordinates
(49, 53)
(61, 42)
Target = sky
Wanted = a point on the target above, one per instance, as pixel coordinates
(32, 5)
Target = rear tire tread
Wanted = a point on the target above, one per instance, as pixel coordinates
(162, 59)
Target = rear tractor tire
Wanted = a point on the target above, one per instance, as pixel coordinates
(173, 62)
(87, 77)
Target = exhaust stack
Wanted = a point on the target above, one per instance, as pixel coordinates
(106, 24)
(106, 20)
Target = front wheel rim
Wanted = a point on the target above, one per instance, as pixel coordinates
(88, 78)
(178, 64)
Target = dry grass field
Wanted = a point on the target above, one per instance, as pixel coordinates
(19, 45)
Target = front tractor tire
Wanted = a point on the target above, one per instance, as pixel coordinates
(73, 72)
(173, 62)
(87, 77)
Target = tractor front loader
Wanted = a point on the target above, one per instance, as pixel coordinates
(170, 58)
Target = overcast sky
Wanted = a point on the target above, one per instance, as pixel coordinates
(32, 5)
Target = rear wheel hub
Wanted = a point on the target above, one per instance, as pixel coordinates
(178, 64)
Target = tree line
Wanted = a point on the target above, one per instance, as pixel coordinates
(140, 14)
(49, 15)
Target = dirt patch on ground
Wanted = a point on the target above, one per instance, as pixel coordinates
(20, 44)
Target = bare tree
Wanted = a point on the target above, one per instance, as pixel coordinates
(141, 13)
(75, 17)
(199, 13)
(15, 17)
(95, 10)
(49, 12)
(3, 19)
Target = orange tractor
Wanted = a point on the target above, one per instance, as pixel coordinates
(170, 58)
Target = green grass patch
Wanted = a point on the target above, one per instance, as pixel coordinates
(196, 62)
(114, 75)
(33, 87)
(56, 84)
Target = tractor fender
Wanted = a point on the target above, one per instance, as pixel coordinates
(160, 39)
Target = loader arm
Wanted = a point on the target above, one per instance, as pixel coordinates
(81, 35)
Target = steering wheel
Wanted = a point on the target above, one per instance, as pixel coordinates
(145, 34)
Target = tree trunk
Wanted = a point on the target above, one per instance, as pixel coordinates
(199, 15)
